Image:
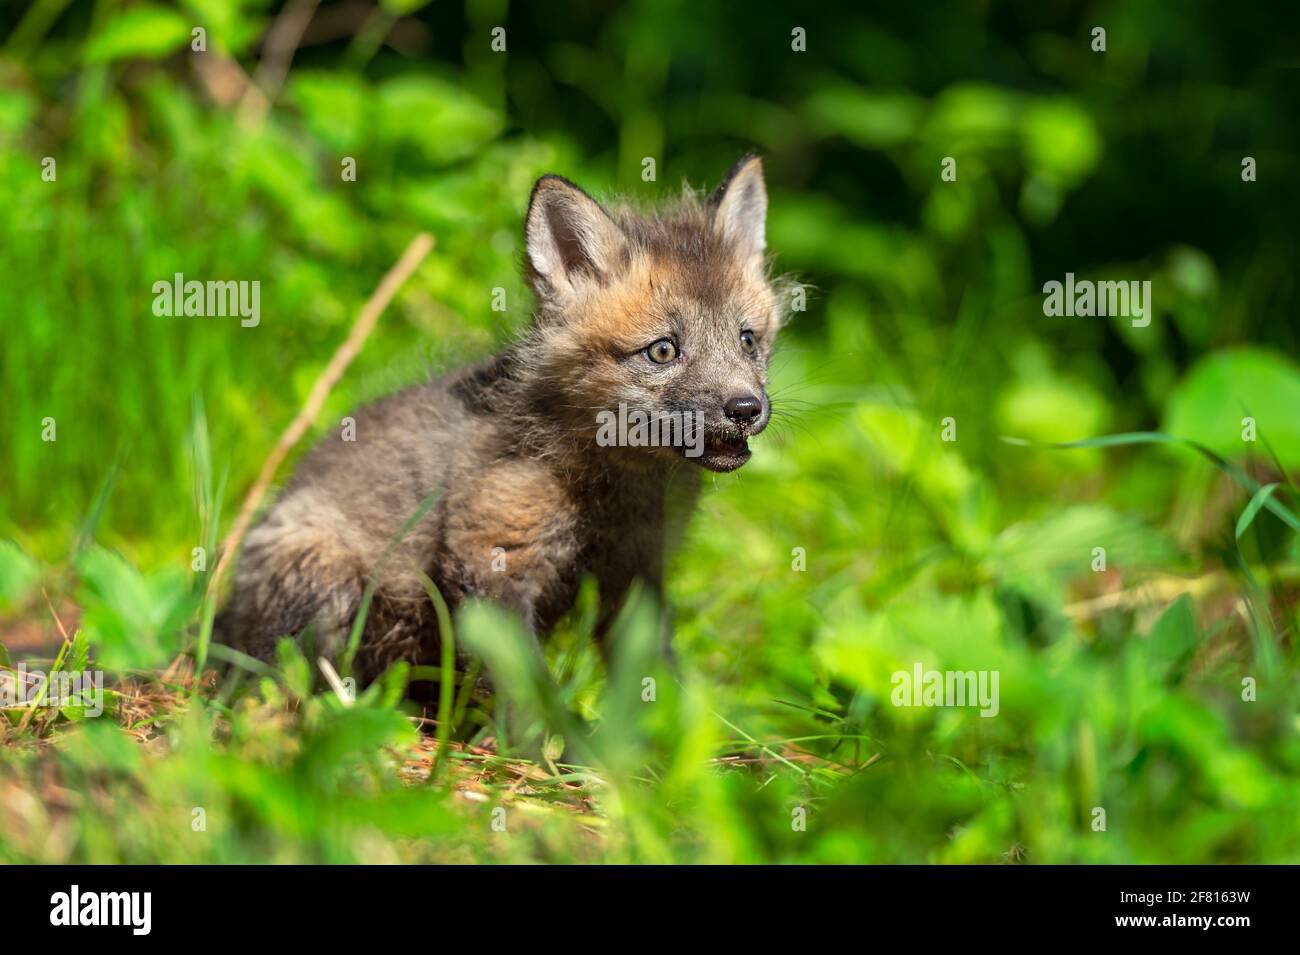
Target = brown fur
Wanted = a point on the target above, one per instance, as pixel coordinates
(528, 502)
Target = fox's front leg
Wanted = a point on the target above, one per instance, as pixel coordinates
(510, 539)
(628, 563)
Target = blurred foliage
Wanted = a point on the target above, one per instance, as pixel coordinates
(1121, 688)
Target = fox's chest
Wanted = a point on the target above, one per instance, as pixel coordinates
(527, 540)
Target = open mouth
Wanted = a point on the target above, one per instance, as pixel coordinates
(725, 452)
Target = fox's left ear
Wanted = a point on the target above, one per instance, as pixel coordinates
(739, 205)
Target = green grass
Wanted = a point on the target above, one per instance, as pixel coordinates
(783, 704)
(857, 543)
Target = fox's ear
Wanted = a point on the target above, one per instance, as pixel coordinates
(740, 206)
(568, 235)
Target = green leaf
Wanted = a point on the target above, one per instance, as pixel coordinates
(335, 107)
(1156, 437)
(133, 619)
(1256, 504)
(1208, 405)
(402, 8)
(441, 120)
(294, 666)
(79, 657)
(19, 574)
(81, 707)
(282, 169)
(1172, 639)
(1051, 408)
(1060, 140)
(869, 118)
(140, 32)
(233, 27)
(1039, 557)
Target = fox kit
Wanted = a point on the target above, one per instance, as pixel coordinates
(670, 315)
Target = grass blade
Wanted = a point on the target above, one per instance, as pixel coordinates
(1257, 502)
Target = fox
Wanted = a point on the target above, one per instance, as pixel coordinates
(668, 312)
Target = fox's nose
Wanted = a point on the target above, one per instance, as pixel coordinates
(743, 409)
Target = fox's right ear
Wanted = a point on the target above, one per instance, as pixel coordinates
(739, 206)
(569, 236)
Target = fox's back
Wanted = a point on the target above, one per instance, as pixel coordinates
(346, 506)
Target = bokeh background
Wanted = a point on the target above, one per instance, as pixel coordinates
(1121, 689)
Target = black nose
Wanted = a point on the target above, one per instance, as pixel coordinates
(743, 409)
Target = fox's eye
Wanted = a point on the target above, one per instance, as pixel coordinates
(661, 352)
(747, 342)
